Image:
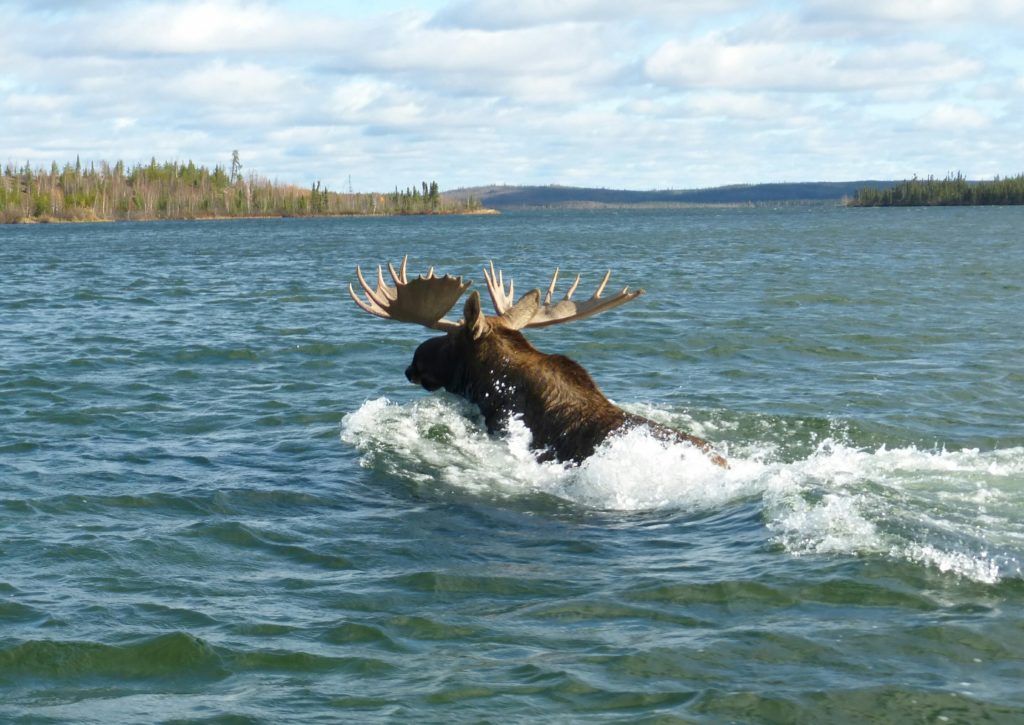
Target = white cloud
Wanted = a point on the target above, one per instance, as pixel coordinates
(427, 50)
(220, 84)
(19, 104)
(951, 117)
(501, 14)
(919, 12)
(498, 14)
(649, 94)
(914, 63)
(712, 61)
(748, 106)
(187, 28)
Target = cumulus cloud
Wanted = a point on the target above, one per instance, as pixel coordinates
(188, 28)
(496, 14)
(500, 14)
(927, 12)
(712, 61)
(650, 94)
(951, 117)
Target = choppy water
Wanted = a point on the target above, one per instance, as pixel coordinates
(221, 502)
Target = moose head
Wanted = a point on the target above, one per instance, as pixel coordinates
(488, 361)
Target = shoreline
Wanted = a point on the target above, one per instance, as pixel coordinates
(97, 220)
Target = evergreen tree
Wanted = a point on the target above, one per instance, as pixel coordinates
(184, 190)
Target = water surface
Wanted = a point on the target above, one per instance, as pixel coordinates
(220, 500)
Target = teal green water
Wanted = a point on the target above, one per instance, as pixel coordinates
(221, 502)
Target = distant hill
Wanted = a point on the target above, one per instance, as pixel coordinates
(511, 197)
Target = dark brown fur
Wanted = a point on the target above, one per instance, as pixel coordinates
(497, 369)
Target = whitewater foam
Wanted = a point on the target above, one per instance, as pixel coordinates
(955, 511)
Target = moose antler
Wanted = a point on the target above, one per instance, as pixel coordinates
(546, 313)
(424, 300)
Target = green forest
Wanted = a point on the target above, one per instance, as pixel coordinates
(172, 190)
(954, 190)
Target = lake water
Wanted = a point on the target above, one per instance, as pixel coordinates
(221, 501)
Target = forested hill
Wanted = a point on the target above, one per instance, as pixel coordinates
(507, 197)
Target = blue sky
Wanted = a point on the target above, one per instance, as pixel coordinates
(639, 95)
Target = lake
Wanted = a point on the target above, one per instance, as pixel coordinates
(221, 501)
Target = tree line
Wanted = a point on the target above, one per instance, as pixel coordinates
(954, 190)
(173, 190)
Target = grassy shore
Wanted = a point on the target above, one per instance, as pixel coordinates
(46, 219)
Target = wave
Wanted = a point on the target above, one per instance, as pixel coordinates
(166, 656)
(955, 511)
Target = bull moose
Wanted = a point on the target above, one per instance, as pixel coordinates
(488, 361)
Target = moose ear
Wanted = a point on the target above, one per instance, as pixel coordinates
(476, 323)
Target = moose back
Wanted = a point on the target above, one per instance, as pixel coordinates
(488, 361)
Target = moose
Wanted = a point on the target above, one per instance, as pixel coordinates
(488, 361)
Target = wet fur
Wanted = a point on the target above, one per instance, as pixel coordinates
(497, 369)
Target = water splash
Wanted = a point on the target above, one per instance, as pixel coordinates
(955, 511)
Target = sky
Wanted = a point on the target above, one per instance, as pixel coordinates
(647, 94)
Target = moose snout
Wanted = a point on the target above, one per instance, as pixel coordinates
(418, 377)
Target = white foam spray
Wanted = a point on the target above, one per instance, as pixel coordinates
(955, 511)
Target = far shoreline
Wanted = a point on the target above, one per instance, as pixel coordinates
(29, 221)
(184, 191)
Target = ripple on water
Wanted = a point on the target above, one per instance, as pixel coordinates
(269, 542)
(176, 655)
(182, 532)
